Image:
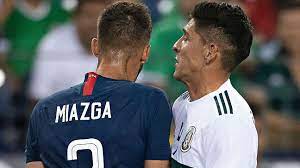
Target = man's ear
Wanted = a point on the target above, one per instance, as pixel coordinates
(146, 53)
(95, 47)
(211, 53)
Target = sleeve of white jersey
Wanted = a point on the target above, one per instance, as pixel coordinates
(230, 143)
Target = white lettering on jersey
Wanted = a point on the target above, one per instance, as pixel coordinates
(73, 113)
(86, 107)
(68, 113)
(107, 110)
(98, 110)
(60, 113)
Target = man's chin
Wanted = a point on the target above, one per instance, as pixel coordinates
(176, 76)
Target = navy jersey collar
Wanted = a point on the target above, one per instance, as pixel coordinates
(90, 82)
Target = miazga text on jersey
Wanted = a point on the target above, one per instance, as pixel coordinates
(68, 112)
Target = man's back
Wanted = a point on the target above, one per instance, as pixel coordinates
(108, 122)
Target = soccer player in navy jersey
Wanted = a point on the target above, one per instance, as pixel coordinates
(107, 121)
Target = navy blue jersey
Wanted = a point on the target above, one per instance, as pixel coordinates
(100, 123)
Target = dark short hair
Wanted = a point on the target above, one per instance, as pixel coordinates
(124, 26)
(227, 24)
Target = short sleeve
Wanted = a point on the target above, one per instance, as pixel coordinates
(229, 143)
(32, 149)
(158, 147)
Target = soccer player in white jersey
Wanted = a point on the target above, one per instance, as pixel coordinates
(214, 124)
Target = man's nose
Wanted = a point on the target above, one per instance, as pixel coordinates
(175, 48)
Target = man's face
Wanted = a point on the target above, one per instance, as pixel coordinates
(86, 21)
(288, 29)
(189, 53)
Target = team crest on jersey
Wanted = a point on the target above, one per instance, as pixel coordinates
(186, 144)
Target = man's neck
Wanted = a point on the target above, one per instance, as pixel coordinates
(200, 87)
(118, 71)
(112, 71)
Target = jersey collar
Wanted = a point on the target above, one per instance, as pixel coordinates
(89, 83)
(225, 86)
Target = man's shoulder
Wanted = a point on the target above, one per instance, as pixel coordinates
(62, 97)
(224, 106)
(229, 108)
(126, 89)
(231, 127)
(228, 101)
(179, 103)
(147, 90)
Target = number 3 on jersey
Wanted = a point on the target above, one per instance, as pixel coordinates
(91, 144)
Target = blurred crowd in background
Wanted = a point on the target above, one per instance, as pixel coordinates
(45, 48)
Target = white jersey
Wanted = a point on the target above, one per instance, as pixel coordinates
(215, 131)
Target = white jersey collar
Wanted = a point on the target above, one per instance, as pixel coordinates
(225, 86)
